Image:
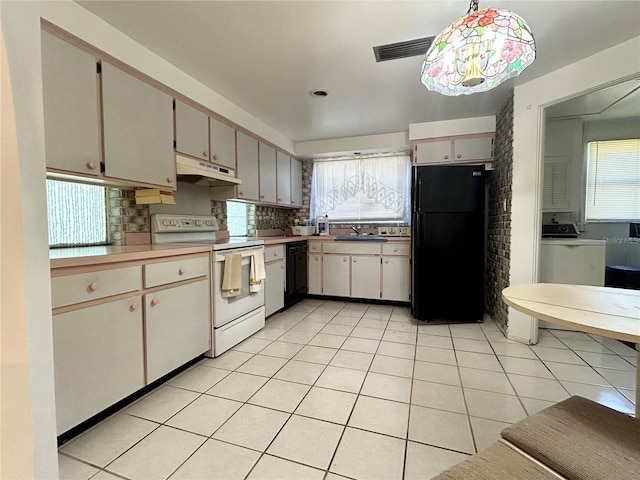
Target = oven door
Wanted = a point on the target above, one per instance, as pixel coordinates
(228, 309)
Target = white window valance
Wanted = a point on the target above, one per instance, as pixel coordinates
(374, 189)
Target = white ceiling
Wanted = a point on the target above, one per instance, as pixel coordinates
(266, 56)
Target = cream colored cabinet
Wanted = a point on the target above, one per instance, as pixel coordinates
(138, 130)
(177, 327)
(396, 278)
(365, 276)
(247, 148)
(267, 174)
(314, 274)
(192, 131)
(336, 275)
(283, 179)
(296, 182)
(119, 328)
(463, 149)
(223, 143)
(274, 284)
(98, 358)
(70, 91)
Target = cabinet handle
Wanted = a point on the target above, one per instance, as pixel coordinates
(395, 249)
(154, 302)
(459, 155)
(169, 180)
(275, 254)
(94, 286)
(91, 166)
(204, 154)
(355, 260)
(279, 199)
(240, 194)
(344, 259)
(134, 306)
(215, 157)
(446, 157)
(282, 267)
(386, 261)
(181, 271)
(261, 196)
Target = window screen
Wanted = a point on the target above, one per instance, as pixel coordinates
(613, 181)
(76, 214)
(362, 189)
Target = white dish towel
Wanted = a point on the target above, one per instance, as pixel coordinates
(232, 275)
(258, 272)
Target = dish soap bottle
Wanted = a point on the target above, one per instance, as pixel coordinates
(323, 225)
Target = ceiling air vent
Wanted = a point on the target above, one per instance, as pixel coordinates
(410, 48)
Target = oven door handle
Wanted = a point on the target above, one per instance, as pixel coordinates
(219, 257)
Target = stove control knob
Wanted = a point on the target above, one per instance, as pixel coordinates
(165, 223)
(198, 223)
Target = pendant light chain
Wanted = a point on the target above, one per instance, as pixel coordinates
(473, 6)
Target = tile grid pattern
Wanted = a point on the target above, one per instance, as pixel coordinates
(361, 391)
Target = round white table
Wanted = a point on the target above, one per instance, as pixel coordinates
(609, 312)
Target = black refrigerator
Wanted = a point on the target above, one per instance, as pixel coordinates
(447, 243)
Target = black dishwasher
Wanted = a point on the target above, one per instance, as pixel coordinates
(296, 284)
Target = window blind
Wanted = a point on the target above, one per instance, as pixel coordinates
(613, 181)
(362, 189)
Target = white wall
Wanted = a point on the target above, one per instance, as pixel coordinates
(28, 447)
(336, 147)
(607, 67)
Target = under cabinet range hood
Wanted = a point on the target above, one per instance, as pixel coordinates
(199, 172)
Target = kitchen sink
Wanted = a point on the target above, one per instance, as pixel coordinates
(359, 238)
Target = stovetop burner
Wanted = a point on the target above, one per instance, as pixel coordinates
(560, 230)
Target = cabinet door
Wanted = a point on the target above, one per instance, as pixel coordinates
(283, 179)
(335, 275)
(98, 358)
(267, 174)
(247, 167)
(396, 278)
(365, 277)
(192, 131)
(296, 182)
(70, 90)
(138, 130)
(314, 280)
(177, 327)
(274, 287)
(439, 151)
(468, 149)
(223, 144)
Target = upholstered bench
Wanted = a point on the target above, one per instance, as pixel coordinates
(576, 439)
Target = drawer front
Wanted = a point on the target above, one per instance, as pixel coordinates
(396, 249)
(315, 247)
(353, 248)
(271, 254)
(83, 287)
(175, 271)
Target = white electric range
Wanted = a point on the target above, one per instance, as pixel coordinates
(233, 318)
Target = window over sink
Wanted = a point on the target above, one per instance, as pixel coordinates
(362, 189)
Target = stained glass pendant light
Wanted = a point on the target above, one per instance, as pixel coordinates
(478, 52)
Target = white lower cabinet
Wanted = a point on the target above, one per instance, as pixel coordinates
(173, 338)
(98, 358)
(335, 275)
(365, 277)
(396, 278)
(274, 287)
(314, 280)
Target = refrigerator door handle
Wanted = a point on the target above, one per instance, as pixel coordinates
(419, 199)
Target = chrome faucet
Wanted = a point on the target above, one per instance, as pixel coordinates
(358, 230)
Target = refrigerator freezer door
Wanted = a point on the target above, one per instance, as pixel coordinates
(447, 266)
(450, 188)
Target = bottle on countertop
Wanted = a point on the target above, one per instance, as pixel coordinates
(322, 224)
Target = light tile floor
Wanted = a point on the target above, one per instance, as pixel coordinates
(330, 390)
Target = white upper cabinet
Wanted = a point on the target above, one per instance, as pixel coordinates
(138, 130)
(267, 174)
(283, 179)
(223, 144)
(247, 167)
(192, 131)
(296, 182)
(70, 89)
(471, 148)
